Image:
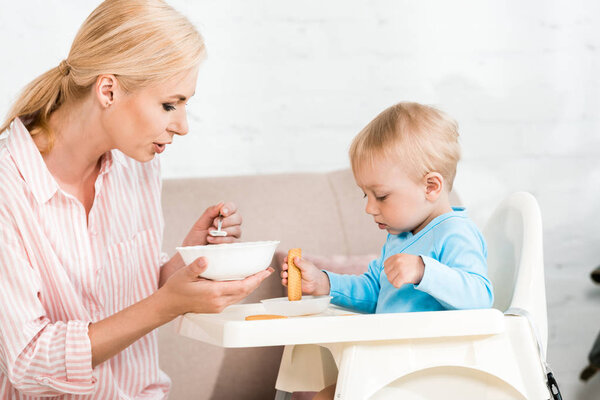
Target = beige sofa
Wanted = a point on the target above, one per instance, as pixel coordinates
(323, 213)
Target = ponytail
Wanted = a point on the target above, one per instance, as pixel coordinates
(37, 101)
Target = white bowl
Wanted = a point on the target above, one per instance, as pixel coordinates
(308, 305)
(231, 261)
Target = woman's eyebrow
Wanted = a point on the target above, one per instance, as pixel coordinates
(180, 97)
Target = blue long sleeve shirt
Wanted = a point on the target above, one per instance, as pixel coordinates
(454, 253)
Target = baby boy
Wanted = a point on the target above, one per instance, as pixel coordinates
(434, 257)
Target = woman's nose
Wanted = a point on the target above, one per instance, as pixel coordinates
(180, 125)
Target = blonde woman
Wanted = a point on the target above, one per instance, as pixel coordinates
(83, 284)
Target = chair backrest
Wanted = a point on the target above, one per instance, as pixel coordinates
(515, 258)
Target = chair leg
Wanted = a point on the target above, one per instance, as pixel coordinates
(281, 395)
(307, 367)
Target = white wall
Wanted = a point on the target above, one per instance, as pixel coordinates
(288, 84)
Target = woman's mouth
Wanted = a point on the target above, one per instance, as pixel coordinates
(381, 226)
(159, 147)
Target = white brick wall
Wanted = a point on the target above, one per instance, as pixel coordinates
(288, 84)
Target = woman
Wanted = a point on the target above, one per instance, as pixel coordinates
(83, 284)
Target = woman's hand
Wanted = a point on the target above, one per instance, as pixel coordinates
(314, 281)
(185, 291)
(198, 235)
(208, 221)
(232, 224)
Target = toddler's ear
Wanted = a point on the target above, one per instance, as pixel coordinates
(434, 185)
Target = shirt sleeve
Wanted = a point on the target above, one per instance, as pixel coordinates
(358, 292)
(39, 357)
(458, 280)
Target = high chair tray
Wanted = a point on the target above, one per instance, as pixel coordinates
(230, 329)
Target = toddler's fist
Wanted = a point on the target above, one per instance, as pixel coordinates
(404, 268)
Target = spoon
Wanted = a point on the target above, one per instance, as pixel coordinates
(218, 232)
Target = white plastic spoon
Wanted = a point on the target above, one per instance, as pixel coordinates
(218, 232)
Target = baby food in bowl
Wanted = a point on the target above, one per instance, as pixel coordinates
(231, 261)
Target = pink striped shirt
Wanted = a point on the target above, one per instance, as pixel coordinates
(59, 272)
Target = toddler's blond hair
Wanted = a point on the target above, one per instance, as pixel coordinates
(422, 138)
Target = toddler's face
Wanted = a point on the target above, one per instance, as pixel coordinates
(396, 200)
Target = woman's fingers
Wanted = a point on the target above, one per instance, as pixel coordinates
(231, 225)
(209, 215)
(226, 222)
(245, 286)
(220, 239)
(228, 215)
(241, 289)
(234, 231)
(197, 267)
(228, 209)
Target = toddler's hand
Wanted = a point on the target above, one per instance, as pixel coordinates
(314, 281)
(404, 268)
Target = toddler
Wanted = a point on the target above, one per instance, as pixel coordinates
(434, 257)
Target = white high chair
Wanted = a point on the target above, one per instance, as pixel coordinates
(495, 354)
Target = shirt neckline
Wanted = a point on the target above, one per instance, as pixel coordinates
(456, 212)
(33, 168)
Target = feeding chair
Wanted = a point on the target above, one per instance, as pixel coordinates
(496, 353)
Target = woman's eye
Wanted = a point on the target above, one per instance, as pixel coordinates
(364, 195)
(168, 107)
(381, 198)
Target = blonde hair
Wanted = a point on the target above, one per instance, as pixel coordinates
(139, 41)
(422, 138)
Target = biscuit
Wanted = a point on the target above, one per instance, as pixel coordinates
(294, 276)
(259, 317)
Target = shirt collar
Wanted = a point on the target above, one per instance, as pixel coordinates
(32, 167)
(456, 212)
(29, 162)
(118, 156)
(108, 161)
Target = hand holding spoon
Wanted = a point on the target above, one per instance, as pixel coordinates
(218, 232)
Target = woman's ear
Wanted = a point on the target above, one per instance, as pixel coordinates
(105, 88)
(434, 185)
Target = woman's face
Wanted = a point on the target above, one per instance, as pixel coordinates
(142, 123)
